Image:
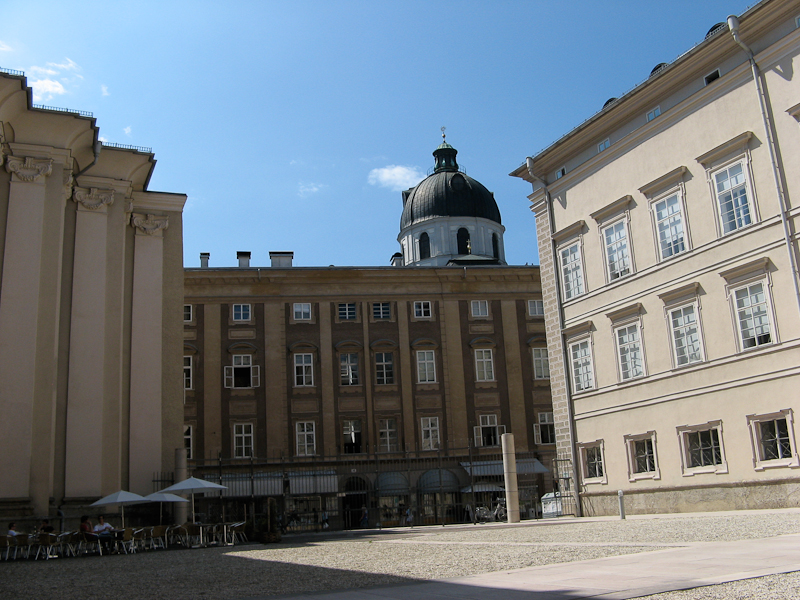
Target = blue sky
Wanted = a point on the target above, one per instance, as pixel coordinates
(294, 125)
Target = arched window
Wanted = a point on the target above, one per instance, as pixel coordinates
(495, 246)
(463, 241)
(424, 246)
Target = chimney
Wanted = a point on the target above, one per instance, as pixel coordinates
(244, 259)
(281, 260)
(204, 256)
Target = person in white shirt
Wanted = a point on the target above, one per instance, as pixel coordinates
(12, 530)
(102, 526)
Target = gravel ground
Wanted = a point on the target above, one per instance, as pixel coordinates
(771, 587)
(328, 562)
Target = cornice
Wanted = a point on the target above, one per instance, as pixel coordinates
(144, 201)
(612, 209)
(664, 181)
(732, 146)
(569, 231)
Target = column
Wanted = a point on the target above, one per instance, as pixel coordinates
(19, 318)
(516, 391)
(86, 391)
(146, 352)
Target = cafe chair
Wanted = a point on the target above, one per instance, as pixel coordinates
(49, 544)
(158, 537)
(22, 545)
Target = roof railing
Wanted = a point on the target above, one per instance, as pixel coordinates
(461, 169)
(12, 72)
(144, 149)
(82, 113)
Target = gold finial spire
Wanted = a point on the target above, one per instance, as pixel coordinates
(443, 137)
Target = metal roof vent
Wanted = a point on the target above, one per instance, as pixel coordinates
(610, 101)
(658, 68)
(715, 29)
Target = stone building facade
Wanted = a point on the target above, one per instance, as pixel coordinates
(90, 301)
(667, 236)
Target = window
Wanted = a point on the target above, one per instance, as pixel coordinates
(426, 367)
(701, 449)
(241, 312)
(347, 311)
(642, 458)
(685, 335)
(592, 464)
(484, 365)
(303, 370)
(462, 241)
(653, 113)
(187, 372)
(242, 440)
(306, 438)
(495, 246)
(544, 432)
(430, 433)
(617, 255)
(187, 441)
(713, 76)
(387, 435)
(422, 309)
(243, 374)
(629, 351)
(603, 145)
(384, 368)
(381, 310)
(572, 271)
(187, 313)
(348, 363)
(773, 440)
(730, 185)
(536, 308)
(541, 363)
(561, 172)
(752, 315)
(488, 433)
(302, 311)
(351, 436)
(424, 246)
(669, 226)
(582, 371)
(480, 308)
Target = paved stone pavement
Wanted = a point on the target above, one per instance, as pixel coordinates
(612, 578)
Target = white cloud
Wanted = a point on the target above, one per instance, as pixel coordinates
(46, 89)
(41, 71)
(306, 188)
(70, 65)
(5, 47)
(102, 139)
(104, 90)
(395, 177)
(127, 130)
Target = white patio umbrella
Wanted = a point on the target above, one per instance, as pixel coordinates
(161, 497)
(193, 485)
(122, 498)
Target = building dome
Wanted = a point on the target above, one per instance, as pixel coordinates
(449, 218)
(447, 192)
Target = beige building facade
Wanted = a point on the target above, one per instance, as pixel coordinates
(667, 237)
(90, 301)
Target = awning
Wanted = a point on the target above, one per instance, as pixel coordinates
(238, 484)
(392, 483)
(483, 487)
(430, 482)
(525, 466)
(311, 483)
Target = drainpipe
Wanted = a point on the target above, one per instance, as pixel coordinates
(733, 26)
(98, 145)
(565, 352)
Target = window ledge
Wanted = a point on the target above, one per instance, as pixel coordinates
(596, 481)
(423, 387)
(485, 384)
(351, 389)
(644, 476)
(304, 389)
(793, 463)
(713, 469)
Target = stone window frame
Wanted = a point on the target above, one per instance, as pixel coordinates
(678, 299)
(356, 426)
(304, 378)
(659, 190)
(480, 305)
(544, 417)
(338, 315)
(480, 346)
(565, 239)
(381, 430)
(533, 306)
(630, 452)
(298, 308)
(242, 349)
(724, 156)
(381, 306)
(684, 431)
(583, 450)
(244, 436)
(241, 309)
(425, 345)
(754, 425)
(610, 216)
(190, 438)
(625, 317)
(430, 427)
(487, 420)
(190, 377)
(746, 275)
(190, 309)
(312, 435)
(576, 335)
(422, 304)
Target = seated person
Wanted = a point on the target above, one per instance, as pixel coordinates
(102, 526)
(45, 527)
(12, 530)
(86, 528)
